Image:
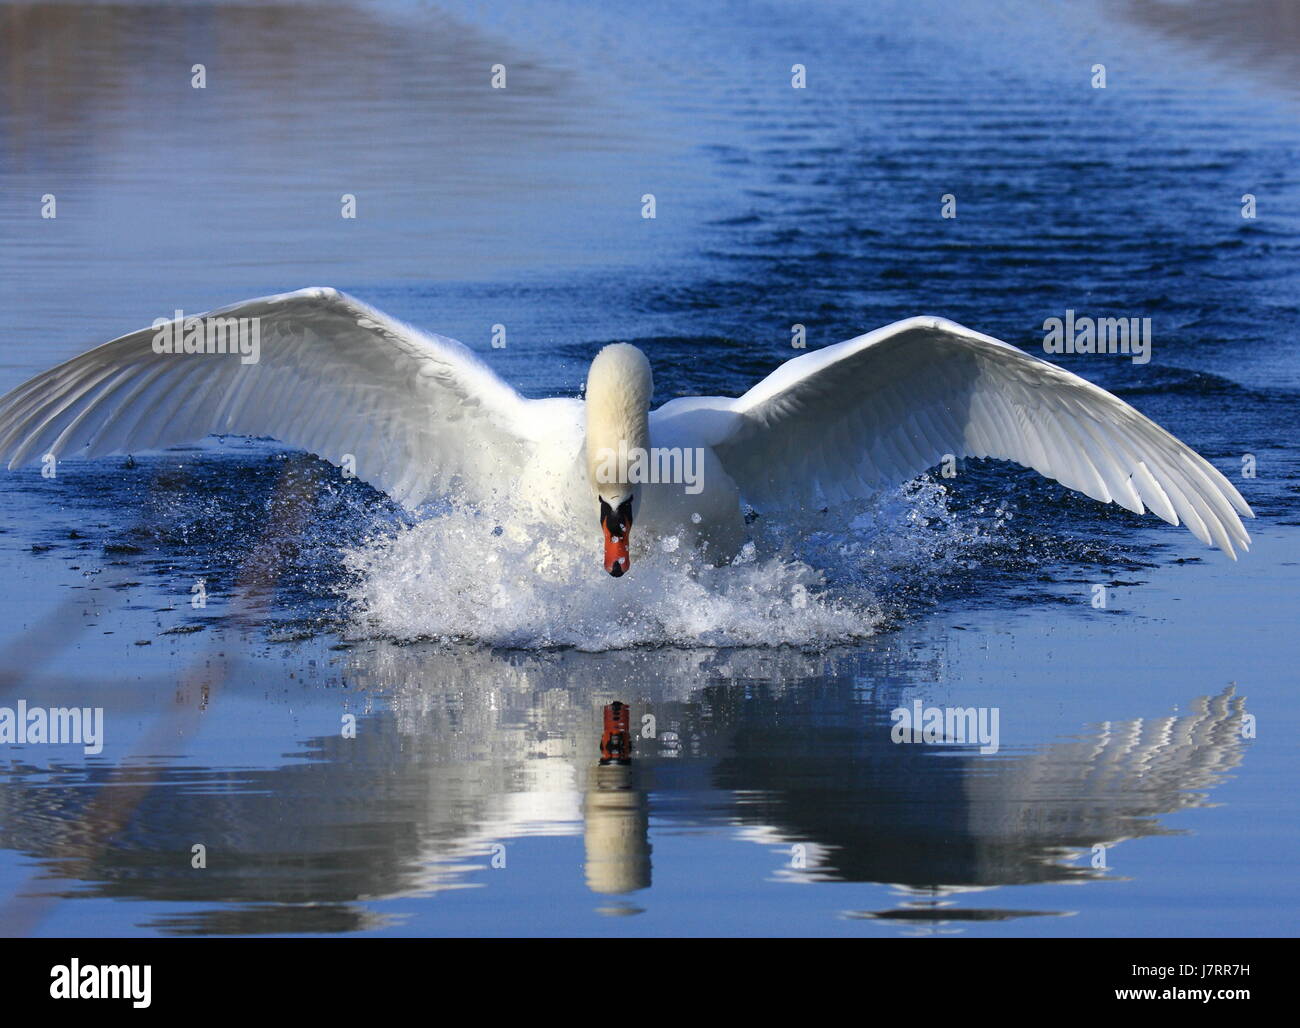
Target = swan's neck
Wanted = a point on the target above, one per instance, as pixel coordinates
(619, 389)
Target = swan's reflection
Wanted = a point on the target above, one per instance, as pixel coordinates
(616, 831)
(616, 817)
(459, 755)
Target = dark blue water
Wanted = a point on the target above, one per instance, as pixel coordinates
(770, 799)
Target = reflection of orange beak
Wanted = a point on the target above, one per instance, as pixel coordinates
(616, 743)
(617, 560)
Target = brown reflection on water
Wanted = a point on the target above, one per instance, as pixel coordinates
(1260, 37)
(302, 104)
(64, 66)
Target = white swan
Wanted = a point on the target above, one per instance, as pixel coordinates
(422, 416)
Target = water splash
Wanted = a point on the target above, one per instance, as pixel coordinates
(827, 578)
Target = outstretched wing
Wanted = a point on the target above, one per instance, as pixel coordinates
(419, 413)
(888, 405)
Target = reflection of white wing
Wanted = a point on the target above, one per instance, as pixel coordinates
(418, 412)
(1101, 782)
(888, 405)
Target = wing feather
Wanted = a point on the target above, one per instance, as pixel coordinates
(887, 406)
(335, 376)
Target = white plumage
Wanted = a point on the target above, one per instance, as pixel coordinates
(423, 416)
(620, 387)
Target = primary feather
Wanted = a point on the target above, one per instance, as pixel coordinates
(888, 405)
(420, 413)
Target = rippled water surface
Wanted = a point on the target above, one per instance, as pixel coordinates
(1146, 750)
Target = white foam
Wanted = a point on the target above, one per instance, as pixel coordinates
(467, 576)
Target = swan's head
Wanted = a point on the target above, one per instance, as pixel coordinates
(619, 388)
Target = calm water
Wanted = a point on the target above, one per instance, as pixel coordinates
(770, 799)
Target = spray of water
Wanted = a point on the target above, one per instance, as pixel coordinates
(820, 579)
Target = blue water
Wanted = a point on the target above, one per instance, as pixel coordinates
(770, 799)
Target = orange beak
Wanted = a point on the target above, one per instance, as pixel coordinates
(617, 559)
